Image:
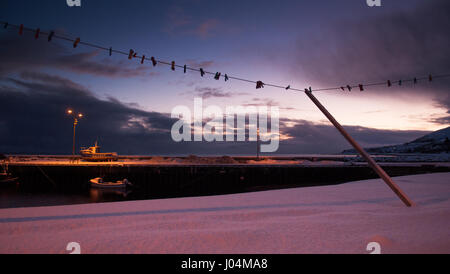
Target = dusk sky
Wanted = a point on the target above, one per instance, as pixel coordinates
(299, 43)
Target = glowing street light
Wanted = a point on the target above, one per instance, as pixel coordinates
(75, 123)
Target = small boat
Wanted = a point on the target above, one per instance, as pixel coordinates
(7, 178)
(99, 183)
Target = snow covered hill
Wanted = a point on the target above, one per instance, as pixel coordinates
(435, 142)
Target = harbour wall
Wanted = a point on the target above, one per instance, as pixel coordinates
(165, 181)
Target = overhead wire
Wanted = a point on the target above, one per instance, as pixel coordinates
(173, 64)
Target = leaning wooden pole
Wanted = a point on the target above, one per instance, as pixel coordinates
(388, 180)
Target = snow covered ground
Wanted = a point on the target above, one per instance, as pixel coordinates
(330, 219)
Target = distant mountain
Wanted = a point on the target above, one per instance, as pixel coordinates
(435, 142)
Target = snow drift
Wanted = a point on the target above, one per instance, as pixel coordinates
(330, 219)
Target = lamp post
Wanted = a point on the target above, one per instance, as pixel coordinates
(75, 123)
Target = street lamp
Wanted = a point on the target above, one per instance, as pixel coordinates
(75, 123)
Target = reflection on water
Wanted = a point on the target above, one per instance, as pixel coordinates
(97, 194)
(13, 196)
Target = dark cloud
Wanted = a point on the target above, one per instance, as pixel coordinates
(394, 45)
(308, 137)
(24, 53)
(442, 120)
(84, 63)
(33, 120)
(33, 103)
(391, 46)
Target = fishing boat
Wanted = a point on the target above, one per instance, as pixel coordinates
(93, 154)
(99, 183)
(5, 176)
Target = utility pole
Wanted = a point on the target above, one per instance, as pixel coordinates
(388, 180)
(257, 141)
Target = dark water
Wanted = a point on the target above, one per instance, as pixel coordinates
(174, 182)
(13, 196)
